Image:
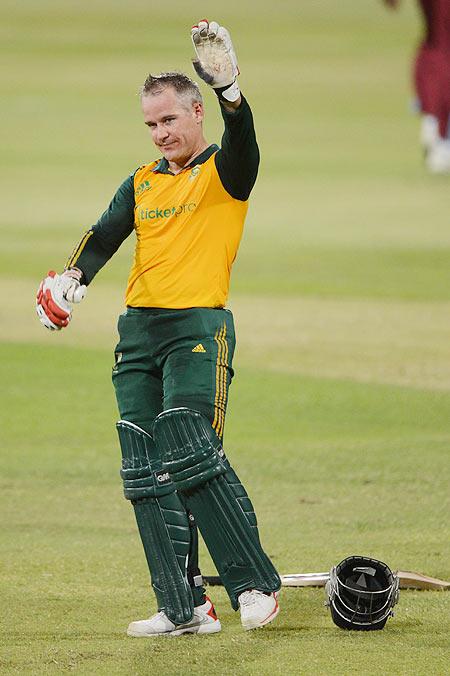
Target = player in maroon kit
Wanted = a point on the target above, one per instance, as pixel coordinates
(432, 82)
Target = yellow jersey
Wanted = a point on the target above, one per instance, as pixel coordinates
(188, 226)
(188, 229)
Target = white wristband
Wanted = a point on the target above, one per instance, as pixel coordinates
(232, 93)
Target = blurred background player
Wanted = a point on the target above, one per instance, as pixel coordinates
(174, 358)
(432, 82)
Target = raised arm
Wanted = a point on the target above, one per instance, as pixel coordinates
(238, 159)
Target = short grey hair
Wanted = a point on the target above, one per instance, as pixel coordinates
(183, 85)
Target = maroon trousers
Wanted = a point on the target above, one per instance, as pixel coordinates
(432, 63)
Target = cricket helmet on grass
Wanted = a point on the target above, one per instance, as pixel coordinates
(361, 593)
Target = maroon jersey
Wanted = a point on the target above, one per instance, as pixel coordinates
(436, 14)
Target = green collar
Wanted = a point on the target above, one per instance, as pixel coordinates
(163, 166)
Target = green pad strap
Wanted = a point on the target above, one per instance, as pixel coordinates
(161, 519)
(194, 575)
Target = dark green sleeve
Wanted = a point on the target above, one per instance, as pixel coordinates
(237, 160)
(104, 238)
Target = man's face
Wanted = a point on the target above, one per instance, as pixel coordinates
(174, 123)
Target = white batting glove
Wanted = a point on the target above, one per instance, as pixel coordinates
(216, 61)
(54, 296)
(73, 291)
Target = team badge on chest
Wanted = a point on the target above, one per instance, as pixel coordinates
(194, 172)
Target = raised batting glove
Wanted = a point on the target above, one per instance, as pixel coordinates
(54, 296)
(216, 61)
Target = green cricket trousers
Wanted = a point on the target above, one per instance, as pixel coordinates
(170, 358)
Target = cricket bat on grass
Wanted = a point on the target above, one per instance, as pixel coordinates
(408, 580)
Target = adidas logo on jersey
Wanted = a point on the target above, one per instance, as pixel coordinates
(143, 187)
(199, 348)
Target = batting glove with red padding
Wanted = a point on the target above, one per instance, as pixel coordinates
(216, 61)
(53, 297)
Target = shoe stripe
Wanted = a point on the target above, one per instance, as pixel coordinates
(212, 611)
(273, 611)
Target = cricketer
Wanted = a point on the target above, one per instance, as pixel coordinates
(173, 362)
(431, 75)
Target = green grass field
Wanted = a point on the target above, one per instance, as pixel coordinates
(339, 418)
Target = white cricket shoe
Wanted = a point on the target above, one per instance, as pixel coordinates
(429, 132)
(257, 608)
(204, 621)
(438, 157)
